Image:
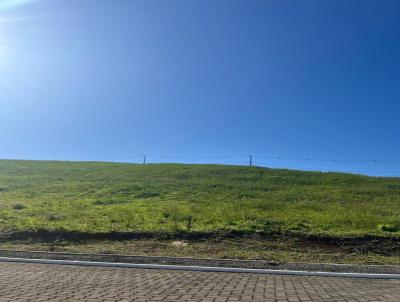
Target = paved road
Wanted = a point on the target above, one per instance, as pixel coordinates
(37, 282)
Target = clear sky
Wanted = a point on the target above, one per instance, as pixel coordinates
(112, 80)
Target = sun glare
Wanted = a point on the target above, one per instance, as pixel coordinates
(5, 4)
(4, 46)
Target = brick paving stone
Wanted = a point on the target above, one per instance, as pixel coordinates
(41, 282)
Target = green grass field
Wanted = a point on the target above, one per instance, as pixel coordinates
(163, 198)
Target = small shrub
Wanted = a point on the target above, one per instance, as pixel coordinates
(165, 214)
(389, 228)
(18, 206)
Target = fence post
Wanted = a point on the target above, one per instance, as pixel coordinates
(189, 225)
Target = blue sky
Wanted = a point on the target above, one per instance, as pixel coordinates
(178, 80)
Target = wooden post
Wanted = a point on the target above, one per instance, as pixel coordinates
(189, 225)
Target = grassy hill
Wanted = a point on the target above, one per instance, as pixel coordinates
(199, 199)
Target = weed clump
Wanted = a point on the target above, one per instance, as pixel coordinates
(391, 228)
(18, 206)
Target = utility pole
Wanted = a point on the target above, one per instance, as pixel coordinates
(144, 159)
(250, 160)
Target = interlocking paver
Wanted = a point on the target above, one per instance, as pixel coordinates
(39, 282)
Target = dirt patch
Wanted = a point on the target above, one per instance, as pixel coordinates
(365, 244)
(386, 246)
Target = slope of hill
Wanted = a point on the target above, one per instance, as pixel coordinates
(93, 197)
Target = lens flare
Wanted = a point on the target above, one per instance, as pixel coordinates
(8, 4)
(6, 20)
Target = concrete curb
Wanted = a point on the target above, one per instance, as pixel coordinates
(200, 268)
(208, 262)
